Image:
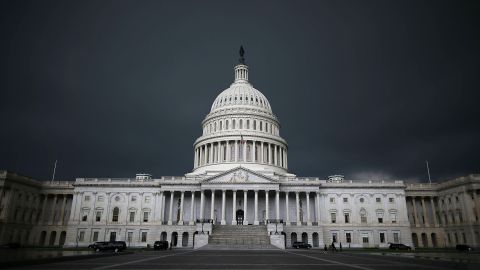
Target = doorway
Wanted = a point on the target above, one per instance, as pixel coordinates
(113, 236)
(239, 217)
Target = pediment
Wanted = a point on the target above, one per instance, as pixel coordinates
(239, 176)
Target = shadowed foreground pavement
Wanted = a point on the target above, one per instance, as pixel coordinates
(254, 259)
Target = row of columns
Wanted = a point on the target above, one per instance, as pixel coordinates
(424, 211)
(217, 152)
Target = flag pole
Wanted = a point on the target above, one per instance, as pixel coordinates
(428, 171)
(54, 169)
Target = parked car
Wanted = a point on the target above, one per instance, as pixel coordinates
(115, 246)
(399, 246)
(463, 248)
(160, 245)
(301, 245)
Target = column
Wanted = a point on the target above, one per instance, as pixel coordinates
(211, 153)
(275, 155)
(287, 209)
(192, 207)
(182, 198)
(435, 222)
(254, 151)
(170, 212)
(309, 221)
(415, 217)
(477, 203)
(205, 153)
(286, 159)
(318, 208)
(267, 216)
(223, 222)
(234, 208)
(212, 207)
(62, 213)
(228, 151)
(219, 152)
(245, 219)
(244, 156)
(298, 208)
(236, 151)
(270, 161)
(195, 159)
(255, 222)
(277, 205)
(52, 213)
(161, 206)
(202, 202)
(261, 153)
(425, 214)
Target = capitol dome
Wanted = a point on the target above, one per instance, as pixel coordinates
(240, 130)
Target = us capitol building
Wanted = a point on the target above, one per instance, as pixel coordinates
(239, 194)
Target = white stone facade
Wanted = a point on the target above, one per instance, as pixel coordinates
(240, 177)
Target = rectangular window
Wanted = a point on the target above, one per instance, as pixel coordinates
(84, 215)
(132, 216)
(129, 237)
(347, 218)
(382, 237)
(81, 236)
(391, 200)
(95, 236)
(334, 237)
(393, 217)
(378, 200)
(365, 238)
(144, 237)
(100, 198)
(147, 199)
(332, 200)
(87, 198)
(345, 200)
(145, 216)
(98, 216)
(348, 236)
(333, 216)
(134, 198)
(380, 220)
(396, 238)
(363, 218)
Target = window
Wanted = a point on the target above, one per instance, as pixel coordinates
(382, 237)
(363, 216)
(147, 199)
(391, 200)
(334, 237)
(380, 220)
(145, 216)
(378, 200)
(333, 216)
(101, 198)
(134, 198)
(144, 237)
(116, 211)
(81, 236)
(365, 238)
(348, 236)
(456, 198)
(95, 236)
(345, 200)
(396, 237)
(98, 216)
(347, 217)
(393, 217)
(84, 215)
(87, 198)
(332, 200)
(362, 200)
(129, 237)
(132, 216)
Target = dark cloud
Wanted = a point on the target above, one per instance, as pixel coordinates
(362, 88)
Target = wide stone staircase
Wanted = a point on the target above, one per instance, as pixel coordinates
(239, 237)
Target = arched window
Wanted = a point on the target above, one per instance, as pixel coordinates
(254, 125)
(248, 124)
(241, 124)
(363, 215)
(261, 125)
(233, 124)
(226, 125)
(116, 211)
(215, 127)
(220, 128)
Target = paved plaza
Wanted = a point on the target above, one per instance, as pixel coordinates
(255, 259)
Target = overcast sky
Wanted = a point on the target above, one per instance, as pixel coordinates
(368, 89)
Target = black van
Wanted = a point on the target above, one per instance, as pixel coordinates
(115, 246)
(160, 245)
(395, 246)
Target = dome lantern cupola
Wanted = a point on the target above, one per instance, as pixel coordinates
(241, 70)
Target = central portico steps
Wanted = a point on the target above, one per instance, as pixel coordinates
(239, 237)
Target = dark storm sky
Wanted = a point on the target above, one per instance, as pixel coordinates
(361, 88)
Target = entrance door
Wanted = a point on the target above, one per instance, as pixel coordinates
(113, 236)
(239, 217)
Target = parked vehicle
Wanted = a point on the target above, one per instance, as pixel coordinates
(463, 248)
(301, 245)
(115, 246)
(160, 245)
(395, 246)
